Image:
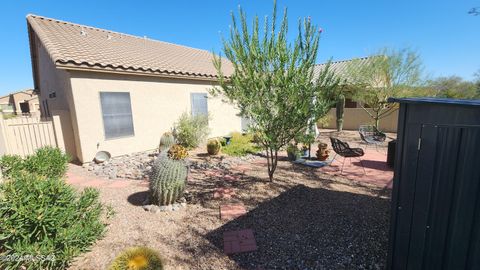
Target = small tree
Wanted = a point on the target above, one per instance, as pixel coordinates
(389, 73)
(454, 87)
(273, 81)
(477, 82)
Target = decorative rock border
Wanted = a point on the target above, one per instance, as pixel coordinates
(138, 166)
(153, 208)
(164, 208)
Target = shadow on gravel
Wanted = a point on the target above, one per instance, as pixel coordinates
(314, 228)
(138, 198)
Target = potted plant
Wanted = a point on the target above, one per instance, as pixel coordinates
(293, 152)
(305, 151)
(322, 152)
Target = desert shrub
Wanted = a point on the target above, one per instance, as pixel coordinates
(47, 161)
(213, 146)
(293, 151)
(241, 145)
(190, 131)
(47, 221)
(177, 152)
(222, 141)
(137, 258)
(11, 165)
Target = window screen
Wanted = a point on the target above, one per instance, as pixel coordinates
(199, 104)
(117, 114)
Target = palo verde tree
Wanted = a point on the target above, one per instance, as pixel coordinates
(272, 82)
(388, 73)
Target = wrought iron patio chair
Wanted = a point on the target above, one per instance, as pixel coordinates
(371, 135)
(344, 150)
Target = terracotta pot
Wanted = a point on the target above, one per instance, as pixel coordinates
(322, 152)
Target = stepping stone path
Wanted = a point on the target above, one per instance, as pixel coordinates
(82, 181)
(239, 241)
(232, 211)
(223, 193)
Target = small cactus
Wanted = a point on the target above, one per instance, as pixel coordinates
(177, 152)
(169, 177)
(137, 258)
(213, 146)
(166, 141)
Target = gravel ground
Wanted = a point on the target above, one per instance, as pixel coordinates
(303, 220)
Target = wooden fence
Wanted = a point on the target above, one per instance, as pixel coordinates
(354, 117)
(24, 134)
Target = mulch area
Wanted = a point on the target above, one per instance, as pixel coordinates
(305, 219)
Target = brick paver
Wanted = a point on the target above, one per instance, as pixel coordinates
(82, 180)
(376, 170)
(232, 211)
(239, 241)
(118, 184)
(223, 193)
(230, 178)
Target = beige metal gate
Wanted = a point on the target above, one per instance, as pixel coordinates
(25, 134)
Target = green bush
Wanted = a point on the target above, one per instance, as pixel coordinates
(45, 223)
(190, 131)
(137, 258)
(11, 165)
(47, 161)
(241, 145)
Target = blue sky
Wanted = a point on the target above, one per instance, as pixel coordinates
(447, 38)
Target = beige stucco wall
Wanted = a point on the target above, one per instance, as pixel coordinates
(156, 104)
(52, 80)
(56, 80)
(354, 117)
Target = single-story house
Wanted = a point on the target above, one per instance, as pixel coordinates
(20, 102)
(118, 92)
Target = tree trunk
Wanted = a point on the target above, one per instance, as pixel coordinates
(272, 159)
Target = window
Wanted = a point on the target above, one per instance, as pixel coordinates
(117, 114)
(199, 104)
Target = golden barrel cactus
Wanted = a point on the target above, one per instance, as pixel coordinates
(137, 258)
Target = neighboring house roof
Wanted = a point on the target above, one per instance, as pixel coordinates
(30, 92)
(75, 46)
(339, 68)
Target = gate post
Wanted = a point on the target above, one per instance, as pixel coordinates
(3, 137)
(57, 130)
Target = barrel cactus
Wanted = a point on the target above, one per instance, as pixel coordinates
(169, 178)
(213, 146)
(137, 258)
(166, 141)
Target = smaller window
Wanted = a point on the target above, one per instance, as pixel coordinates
(199, 104)
(117, 114)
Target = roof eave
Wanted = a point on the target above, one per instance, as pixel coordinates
(74, 67)
(33, 55)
